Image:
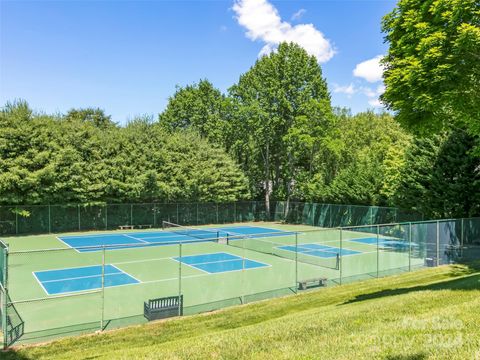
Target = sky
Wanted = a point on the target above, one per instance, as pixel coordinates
(127, 57)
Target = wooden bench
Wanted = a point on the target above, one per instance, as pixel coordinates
(126, 227)
(305, 284)
(144, 226)
(162, 308)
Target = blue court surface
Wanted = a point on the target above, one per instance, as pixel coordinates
(384, 242)
(82, 278)
(219, 262)
(319, 250)
(87, 243)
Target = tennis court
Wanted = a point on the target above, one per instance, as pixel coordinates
(172, 235)
(101, 280)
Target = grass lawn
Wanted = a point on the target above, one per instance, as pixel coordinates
(427, 314)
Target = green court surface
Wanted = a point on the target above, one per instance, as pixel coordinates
(277, 263)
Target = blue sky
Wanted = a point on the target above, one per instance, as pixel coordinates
(127, 57)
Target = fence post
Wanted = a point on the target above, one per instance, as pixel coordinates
(461, 237)
(378, 251)
(234, 211)
(154, 215)
(242, 299)
(131, 214)
(103, 288)
(78, 212)
(217, 211)
(49, 220)
(438, 243)
(106, 216)
(296, 263)
(180, 275)
(4, 297)
(341, 256)
(16, 221)
(197, 212)
(177, 215)
(409, 246)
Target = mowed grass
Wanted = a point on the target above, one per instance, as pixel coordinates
(428, 314)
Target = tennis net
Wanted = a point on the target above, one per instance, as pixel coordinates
(203, 234)
(288, 249)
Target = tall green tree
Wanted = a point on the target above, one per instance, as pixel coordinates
(363, 164)
(432, 68)
(199, 106)
(282, 109)
(68, 159)
(94, 116)
(439, 177)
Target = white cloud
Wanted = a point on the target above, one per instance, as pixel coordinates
(370, 70)
(262, 22)
(375, 103)
(348, 89)
(298, 15)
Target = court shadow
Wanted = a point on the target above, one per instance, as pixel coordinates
(468, 282)
(12, 354)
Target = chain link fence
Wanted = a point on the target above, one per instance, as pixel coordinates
(37, 306)
(42, 219)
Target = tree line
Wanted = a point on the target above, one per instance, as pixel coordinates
(275, 135)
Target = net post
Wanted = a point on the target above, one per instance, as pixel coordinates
(378, 251)
(103, 289)
(409, 246)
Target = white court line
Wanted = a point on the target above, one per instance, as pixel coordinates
(323, 250)
(73, 267)
(71, 247)
(175, 278)
(35, 276)
(89, 291)
(140, 261)
(133, 277)
(182, 263)
(131, 237)
(83, 277)
(222, 261)
(120, 271)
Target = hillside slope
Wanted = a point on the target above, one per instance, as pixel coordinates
(429, 314)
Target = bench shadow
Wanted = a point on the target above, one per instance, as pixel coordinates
(469, 281)
(418, 356)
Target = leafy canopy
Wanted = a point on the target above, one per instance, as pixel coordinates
(432, 69)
